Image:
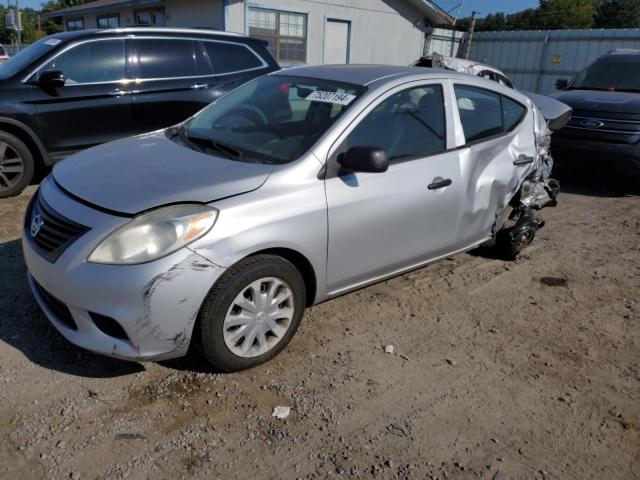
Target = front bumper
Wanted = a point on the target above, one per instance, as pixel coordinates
(614, 157)
(156, 304)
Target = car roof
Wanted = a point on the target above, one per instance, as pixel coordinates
(199, 32)
(364, 75)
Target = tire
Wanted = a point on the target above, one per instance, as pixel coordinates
(229, 347)
(14, 155)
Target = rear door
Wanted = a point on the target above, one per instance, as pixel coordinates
(500, 148)
(93, 107)
(233, 63)
(174, 80)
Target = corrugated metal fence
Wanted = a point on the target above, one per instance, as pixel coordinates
(445, 42)
(534, 60)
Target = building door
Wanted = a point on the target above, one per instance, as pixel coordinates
(336, 48)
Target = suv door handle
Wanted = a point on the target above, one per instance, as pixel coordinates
(199, 86)
(523, 159)
(118, 92)
(439, 182)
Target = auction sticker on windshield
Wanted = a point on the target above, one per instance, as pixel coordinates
(330, 97)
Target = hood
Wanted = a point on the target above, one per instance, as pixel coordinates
(139, 173)
(556, 113)
(618, 102)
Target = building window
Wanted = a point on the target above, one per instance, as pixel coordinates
(109, 21)
(152, 17)
(75, 24)
(286, 33)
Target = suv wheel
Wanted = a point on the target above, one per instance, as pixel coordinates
(16, 165)
(251, 313)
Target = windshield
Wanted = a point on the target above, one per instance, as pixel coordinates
(273, 119)
(611, 74)
(24, 57)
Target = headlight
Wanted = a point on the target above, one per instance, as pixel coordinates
(155, 234)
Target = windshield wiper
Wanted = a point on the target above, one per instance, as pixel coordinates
(227, 150)
(588, 88)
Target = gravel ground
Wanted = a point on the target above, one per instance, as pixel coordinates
(527, 369)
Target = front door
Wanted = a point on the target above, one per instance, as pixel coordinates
(336, 45)
(380, 223)
(93, 106)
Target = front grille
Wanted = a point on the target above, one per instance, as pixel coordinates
(59, 309)
(50, 232)
(630, 117)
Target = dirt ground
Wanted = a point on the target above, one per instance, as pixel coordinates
(527, 369)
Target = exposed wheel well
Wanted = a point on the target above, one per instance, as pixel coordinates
(302, 264)
(30, 143)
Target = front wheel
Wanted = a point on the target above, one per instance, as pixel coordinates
(251, 313)
(16, 165)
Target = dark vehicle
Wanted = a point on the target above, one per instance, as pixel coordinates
(74, 90)
(604, 129)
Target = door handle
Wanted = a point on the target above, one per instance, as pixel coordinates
(439, 182)
(199, 86)
(523, 159)
(118, 92)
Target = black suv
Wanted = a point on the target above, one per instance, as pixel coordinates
(73, 90)
(604, 129)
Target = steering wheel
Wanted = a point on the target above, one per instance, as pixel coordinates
(251, 113)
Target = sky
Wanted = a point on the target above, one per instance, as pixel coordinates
(482, 6)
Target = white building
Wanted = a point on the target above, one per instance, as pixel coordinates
(298, 31)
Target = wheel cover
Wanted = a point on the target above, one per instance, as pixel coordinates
(11, 166)
(259, 317)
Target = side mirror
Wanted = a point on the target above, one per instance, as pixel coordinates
(364, 159)
(51, 79)
(562, 84)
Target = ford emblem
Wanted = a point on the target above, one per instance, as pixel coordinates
(591, 123)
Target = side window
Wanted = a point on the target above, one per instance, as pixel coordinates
(91, 62)
(408, 124)
(513, 113)
(229, 57)
(166, 58)
(480, 112)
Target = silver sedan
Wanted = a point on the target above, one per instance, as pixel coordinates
(293, 189)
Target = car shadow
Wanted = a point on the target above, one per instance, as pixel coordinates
(24, 327)
(593, 183)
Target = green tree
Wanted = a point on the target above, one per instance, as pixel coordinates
(618, 14)
(565, 14)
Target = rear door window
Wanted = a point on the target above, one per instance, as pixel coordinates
(484, 113)
(480, 112)
(231, 57)
(513, 113)
(91, 62)
(166, 58)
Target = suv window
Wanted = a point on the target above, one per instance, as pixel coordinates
(408, 124)
(91, 62)
(484, 113)
(166, 58)
(229, 57)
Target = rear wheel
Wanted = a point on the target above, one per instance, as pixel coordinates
(251, 313)
(16, 165)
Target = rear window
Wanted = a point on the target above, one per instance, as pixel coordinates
(230, 57)
(166, 58)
